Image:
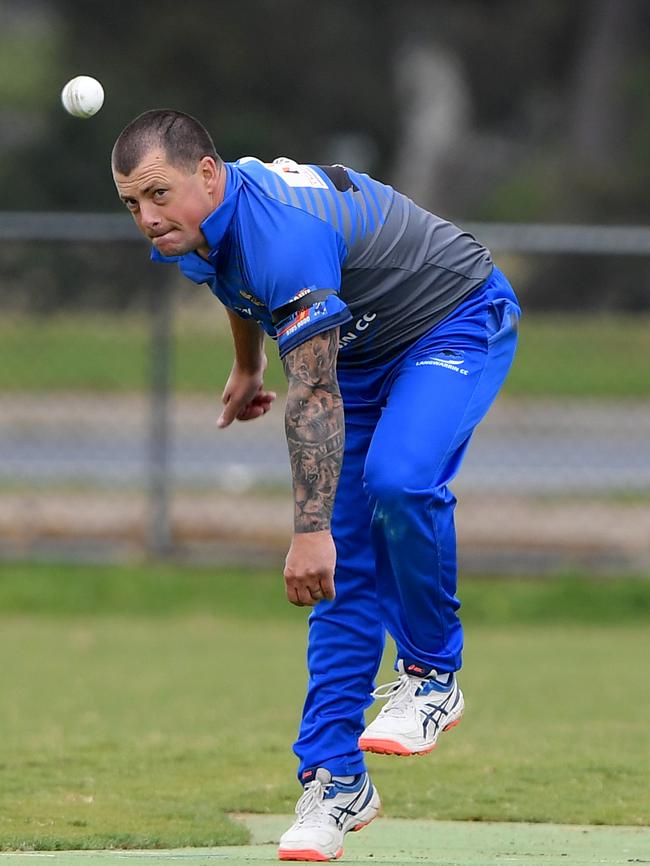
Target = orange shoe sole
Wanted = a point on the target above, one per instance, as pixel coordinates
(315, 856)
(391, 747)
(309, 855)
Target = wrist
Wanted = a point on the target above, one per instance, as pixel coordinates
(310, 541)
(318, 522)
(251, 366)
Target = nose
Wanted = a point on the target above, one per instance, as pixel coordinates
(149, 216)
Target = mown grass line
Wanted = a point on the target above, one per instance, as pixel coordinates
(163, 590)
(142, 704)
(134, 731)
(589, 356)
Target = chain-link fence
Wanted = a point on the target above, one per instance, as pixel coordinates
(110, 376)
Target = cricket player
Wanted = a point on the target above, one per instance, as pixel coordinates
(396, 332)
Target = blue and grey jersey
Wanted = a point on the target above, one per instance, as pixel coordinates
(304, 248)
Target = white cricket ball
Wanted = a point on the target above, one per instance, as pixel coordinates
(82, 96)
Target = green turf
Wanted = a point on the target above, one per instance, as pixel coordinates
(390, 841)
(112, 353)
(141, 590)
(122, 727)
(44, 589)
(577, 356)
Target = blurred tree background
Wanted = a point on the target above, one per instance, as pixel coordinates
(478, 109)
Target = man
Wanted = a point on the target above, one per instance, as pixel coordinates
(396, 332)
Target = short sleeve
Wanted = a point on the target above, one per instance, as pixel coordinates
(319, 316)
(295, 255)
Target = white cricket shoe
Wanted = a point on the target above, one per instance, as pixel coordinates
(418, 709)
(326, 811)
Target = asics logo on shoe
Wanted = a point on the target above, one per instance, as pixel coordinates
(436, 714)
(417, 709)
(354, 806)
(327, 810)
(414, 669)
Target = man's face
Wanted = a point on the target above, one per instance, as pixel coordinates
(168, 204)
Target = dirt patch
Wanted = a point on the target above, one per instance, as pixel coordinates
(516, 529)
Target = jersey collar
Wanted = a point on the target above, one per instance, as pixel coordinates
(215, 225)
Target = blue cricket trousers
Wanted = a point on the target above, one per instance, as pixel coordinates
(407, 425)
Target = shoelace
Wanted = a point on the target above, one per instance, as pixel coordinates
(398, 694)
(311, 805)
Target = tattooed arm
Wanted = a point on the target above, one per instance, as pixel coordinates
(314, 427)
(315, 434)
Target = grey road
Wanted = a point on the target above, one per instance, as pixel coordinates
(533, 447)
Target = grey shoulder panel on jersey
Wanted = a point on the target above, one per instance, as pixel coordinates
(404, 277)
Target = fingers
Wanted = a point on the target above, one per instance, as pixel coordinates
(225, 419)
(292, 596)
(299, 595)
(229, 410)
(309, 568)
(303, 595)
(259, 405)
(328, 589)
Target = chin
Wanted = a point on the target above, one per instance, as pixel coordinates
(174, 248)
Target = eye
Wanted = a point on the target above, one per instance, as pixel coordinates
(159, 193)
(131, 204)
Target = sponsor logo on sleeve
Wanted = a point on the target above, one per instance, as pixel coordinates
(302, 318)
(250, 297)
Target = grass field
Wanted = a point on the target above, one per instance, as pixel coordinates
(142, 705)
(577, 356)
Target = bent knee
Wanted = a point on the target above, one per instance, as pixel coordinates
(391, 483)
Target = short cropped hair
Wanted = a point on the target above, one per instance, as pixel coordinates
(184, 140)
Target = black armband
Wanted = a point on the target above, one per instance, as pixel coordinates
(301, 303)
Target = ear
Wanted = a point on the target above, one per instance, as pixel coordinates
(208, 171)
